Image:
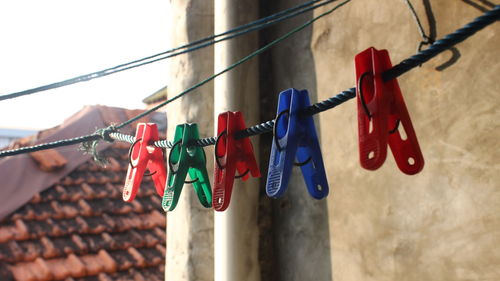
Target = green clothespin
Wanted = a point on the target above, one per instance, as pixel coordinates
(185, 158)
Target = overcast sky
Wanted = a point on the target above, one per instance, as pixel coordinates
(47, 41)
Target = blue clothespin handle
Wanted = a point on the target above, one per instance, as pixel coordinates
(295, 138)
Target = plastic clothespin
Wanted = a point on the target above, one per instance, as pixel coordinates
(382, 116)
(144, 155)
(231, 154)
(186, 158)
(295, 137)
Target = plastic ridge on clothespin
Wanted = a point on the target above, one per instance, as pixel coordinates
(382, 116)
(231, 155)
(186, 158)
(295, 137)
(143, 154)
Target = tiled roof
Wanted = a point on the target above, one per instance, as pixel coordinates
(80, 229)
(157, 96)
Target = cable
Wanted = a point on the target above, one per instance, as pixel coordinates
(190, 47)
(397, 70)
(437, 47)
(443, 44)
(426, 40)
(241, 61)
(50, 145)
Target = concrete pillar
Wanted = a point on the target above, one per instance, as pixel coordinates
(300, 223)
(236, 231)
(190, 226)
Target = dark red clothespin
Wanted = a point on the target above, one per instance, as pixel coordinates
(143, 154)
(231, 154)
(382, 116)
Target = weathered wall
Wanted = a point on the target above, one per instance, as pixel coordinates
(444, 223)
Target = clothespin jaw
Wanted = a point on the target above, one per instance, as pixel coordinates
(382, 116)
(144, 154)
(231, 155)
(186, 158)
(295, 137)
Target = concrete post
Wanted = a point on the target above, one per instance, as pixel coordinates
(300, 223)
(190, 226)
(236, 231)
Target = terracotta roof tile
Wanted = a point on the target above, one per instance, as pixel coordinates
(11, 251)
(80, 229)
(5, 272)
(50, 250)
(151, 255)
(49, 160)
(29, 249)
(74, 192)
(36, 198)
(93, 264)
(127, 239)
(154, 275)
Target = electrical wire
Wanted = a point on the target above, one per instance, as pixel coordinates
(441, 45)
(187, 48)
(236, 64)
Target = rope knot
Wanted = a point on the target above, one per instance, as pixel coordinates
(90, 147)
(105, 133)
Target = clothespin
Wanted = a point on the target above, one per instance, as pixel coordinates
(382, 116)
(143, 154)
(186, 158)
(231, 154)
(295, 137)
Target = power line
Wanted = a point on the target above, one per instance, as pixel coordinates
(241, 61)
(190, 47)
(396, 71)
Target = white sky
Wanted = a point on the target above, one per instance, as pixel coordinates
(52, 40)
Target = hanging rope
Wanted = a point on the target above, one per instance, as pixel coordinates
(426, 40)
(396, 71)
(190, 47)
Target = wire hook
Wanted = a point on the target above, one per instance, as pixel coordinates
(362, 98)
(170, 164)
(276, 141)
(224, 133)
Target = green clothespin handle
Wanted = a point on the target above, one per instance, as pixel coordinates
(185, 158)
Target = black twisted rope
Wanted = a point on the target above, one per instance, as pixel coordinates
(331, 102)
(443, 44)
(423, 56)
(43, 146)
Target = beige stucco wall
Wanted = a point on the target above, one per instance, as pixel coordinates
(444, 223)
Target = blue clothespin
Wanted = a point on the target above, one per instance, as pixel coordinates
(295, 137)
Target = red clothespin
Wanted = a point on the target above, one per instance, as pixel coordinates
(143, 154)
(231, 154)
(382, 116)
